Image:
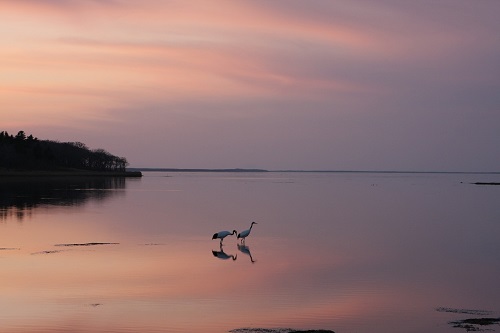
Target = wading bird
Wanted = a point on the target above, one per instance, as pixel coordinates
(246, 233)
(223, 234)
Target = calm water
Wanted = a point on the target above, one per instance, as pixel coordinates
(340, 251)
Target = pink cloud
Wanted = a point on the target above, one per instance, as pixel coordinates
(356, 62)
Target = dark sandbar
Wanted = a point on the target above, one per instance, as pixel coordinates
(276, 330)
(86, 244)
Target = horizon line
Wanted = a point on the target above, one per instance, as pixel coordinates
(161, 169)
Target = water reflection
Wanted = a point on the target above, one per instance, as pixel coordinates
(223, 255)
(246, 250)
(20, 196)
(384, 257)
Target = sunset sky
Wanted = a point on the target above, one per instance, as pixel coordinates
(334, 84)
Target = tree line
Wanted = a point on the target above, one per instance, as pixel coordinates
(29, 153)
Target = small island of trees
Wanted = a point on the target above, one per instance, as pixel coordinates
(26, 152)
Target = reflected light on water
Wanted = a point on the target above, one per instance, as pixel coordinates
(349, 253)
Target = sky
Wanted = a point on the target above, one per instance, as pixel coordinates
(315, 85)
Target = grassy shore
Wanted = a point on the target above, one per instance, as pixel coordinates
(67, 173)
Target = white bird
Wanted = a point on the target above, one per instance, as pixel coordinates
(246, 233)
(223, 234)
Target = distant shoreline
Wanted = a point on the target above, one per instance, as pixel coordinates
(68, 173)
(195, 170)
(309, 171)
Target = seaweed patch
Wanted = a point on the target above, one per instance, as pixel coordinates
(85, 244)
(276, 330)
(261, 330)
(46, 252)
(475, 324)
(465, 311)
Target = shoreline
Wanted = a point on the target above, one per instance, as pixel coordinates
(311, 171)
(68, 173)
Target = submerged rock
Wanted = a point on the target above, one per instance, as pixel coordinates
(313, 331)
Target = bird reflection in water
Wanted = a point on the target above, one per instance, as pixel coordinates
(241, 245)
(223, 255)
(246, 250)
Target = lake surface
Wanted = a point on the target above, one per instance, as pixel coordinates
(349, 252)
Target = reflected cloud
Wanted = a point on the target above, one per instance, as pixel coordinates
(246, 250)
(20, 197)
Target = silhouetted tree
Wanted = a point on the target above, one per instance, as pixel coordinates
(27, 152)
(21, 136)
